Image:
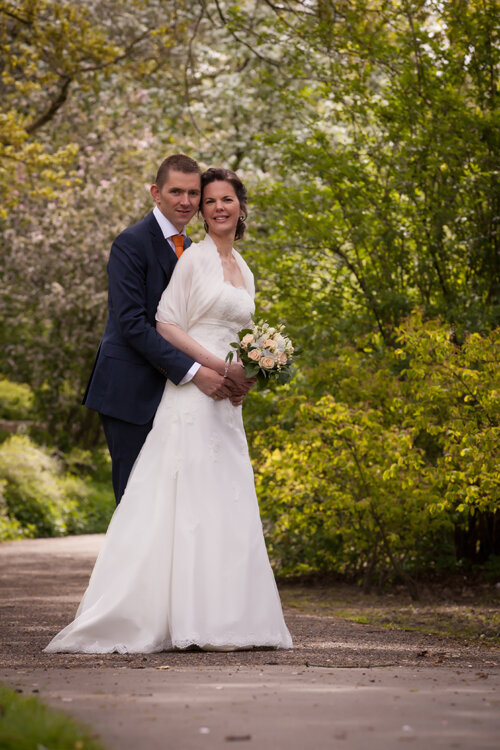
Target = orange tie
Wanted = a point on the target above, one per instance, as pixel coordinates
(179, 244)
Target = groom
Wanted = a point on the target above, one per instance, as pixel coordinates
(133, 360)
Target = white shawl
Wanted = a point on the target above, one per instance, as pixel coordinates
(195, 284)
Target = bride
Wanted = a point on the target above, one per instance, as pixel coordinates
(184, 561)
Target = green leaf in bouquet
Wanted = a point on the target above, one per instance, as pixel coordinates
(251, 370)
(244, 332)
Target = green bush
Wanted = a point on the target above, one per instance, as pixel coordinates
(92, 490)
(452, 398)
(10, 528)
(378, 478)
(34, 492)
(41, 498)
(16, 400)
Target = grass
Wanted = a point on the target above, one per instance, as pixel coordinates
(26, 724)
(469, 614)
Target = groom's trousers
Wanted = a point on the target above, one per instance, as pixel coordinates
(125, 441)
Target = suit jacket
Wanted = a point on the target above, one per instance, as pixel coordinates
(133, 360)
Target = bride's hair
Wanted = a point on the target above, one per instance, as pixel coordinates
(226, 175)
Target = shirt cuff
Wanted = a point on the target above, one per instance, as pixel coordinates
(190, 373)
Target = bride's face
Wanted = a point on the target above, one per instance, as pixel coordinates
(220, 208)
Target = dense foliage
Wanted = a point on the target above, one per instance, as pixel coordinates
(41, 495)
(368, 135)
(383, 476)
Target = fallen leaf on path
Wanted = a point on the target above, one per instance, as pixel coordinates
(238, 737)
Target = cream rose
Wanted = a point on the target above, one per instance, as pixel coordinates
(283, 359)
(270, 344)
(255, 354)
(247, 339)
(267, 363)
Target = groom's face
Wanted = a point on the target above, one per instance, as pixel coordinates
(179, 197)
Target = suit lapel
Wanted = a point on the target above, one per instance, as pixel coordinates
(164, 253)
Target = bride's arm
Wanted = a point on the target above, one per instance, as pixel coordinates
(183, 341)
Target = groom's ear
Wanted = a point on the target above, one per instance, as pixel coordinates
(155, 192)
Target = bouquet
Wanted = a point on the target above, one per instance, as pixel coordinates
(265, 352)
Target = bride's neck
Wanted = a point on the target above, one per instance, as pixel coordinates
(224, 245)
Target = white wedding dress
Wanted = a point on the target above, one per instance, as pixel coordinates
(184, 561)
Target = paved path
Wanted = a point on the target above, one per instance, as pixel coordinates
(343, 686)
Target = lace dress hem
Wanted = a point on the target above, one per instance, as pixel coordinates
(236, 644)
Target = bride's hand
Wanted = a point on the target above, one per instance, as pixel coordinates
(236, 374)
(212, 384)
(239, 390)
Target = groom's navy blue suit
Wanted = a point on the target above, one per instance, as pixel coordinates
(133, 360)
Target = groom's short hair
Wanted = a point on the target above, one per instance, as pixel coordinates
(179, 162)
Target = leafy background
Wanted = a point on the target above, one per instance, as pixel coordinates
(367, 133)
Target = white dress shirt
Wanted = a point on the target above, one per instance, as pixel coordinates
(168, 230)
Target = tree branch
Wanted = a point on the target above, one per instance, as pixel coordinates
(118, 58)
(25, 21)
(242, 41)
(53, 107)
